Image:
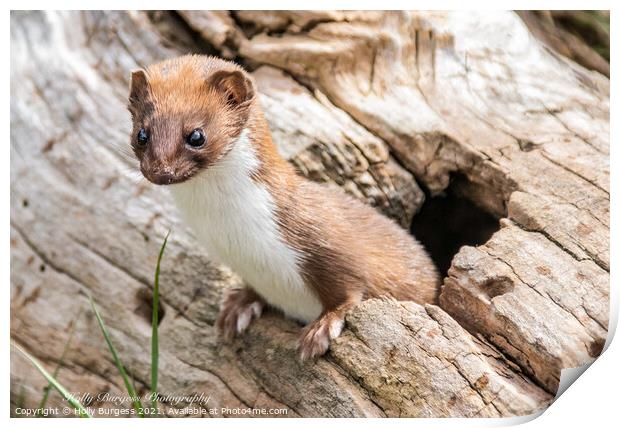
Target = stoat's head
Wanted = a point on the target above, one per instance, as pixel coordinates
(187, 114)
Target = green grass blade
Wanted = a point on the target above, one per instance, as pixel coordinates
(137, 405)
(155, 327)
(61, 390)
(61, 362)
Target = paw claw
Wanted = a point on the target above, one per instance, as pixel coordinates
(239, 308)
(315, 337)
(257, 309)
(243, 319)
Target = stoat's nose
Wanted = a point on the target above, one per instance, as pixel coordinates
(161, 175)
(164, 178)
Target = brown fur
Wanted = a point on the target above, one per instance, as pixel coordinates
(351, 252)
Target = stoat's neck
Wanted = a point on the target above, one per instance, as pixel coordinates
(273, 169)
(230, 175)
(248, 177)
(246, 186)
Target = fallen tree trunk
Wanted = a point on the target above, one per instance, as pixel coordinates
(363, 100)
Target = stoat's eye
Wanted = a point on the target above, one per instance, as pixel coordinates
(142, 137)
(196, 138)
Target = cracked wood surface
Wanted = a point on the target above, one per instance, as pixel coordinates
(363, 100)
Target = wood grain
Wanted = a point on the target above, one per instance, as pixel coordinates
(362, 100)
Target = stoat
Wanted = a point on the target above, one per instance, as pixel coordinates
(306, 249)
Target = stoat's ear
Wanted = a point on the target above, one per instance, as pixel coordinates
(139, 86)
(234, 85)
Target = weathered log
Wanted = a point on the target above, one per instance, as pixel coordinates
(553, 29)
(363, 100)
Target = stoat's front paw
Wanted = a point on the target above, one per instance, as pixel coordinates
(315, 337)
(239, 308)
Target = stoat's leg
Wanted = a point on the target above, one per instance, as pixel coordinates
(239, 308)
(315, 337)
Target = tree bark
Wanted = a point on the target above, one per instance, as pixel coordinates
(380, 103)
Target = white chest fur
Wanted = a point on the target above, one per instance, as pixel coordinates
(234, 218)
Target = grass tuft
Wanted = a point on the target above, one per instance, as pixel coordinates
(155, 328)
(54, 383)
(129, 385)
(49, 386)
(137, 404)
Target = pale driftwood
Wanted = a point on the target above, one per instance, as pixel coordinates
(548, 27)
(366, 101)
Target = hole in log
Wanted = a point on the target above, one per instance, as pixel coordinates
(497, 286)
(144, 307)
(449, 221)
(596, 347)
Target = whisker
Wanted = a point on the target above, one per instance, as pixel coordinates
(132, 173)
(125, 152)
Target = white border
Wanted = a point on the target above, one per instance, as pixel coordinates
(591, 401)
(305, 4)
